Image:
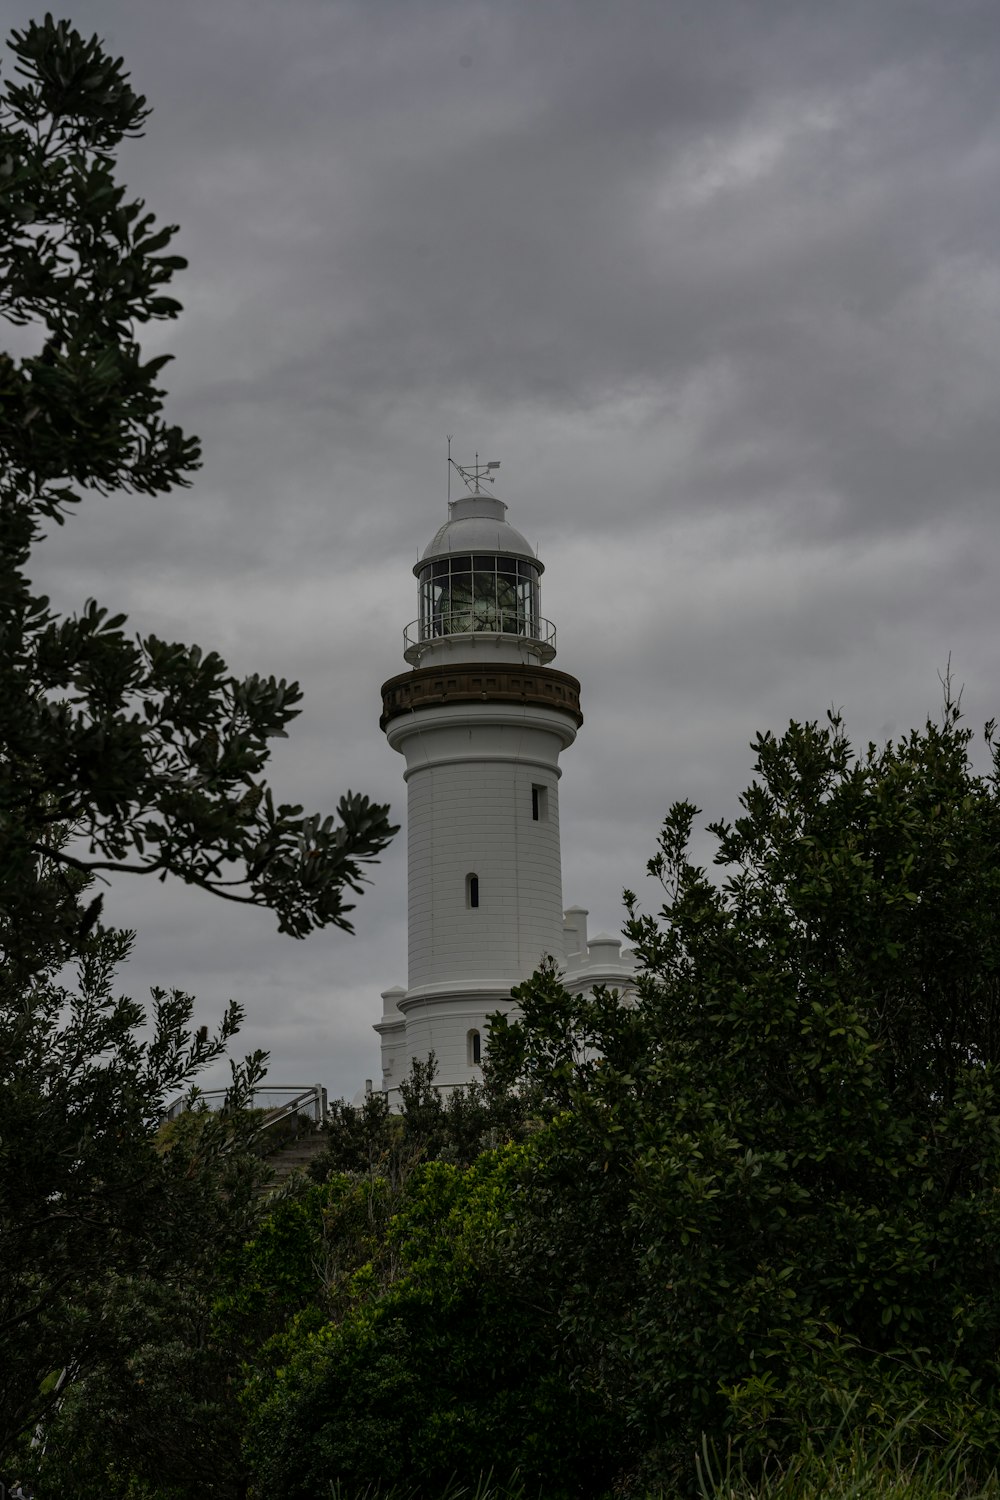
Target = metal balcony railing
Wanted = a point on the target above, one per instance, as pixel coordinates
(476, 621)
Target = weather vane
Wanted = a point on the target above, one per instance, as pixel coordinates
(473, 474)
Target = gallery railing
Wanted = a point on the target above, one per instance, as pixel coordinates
(474, 621)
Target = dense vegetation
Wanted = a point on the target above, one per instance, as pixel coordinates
(724, 1234)
(733, 1233)
(766, 1191)
(752, 1206)
(116, 754)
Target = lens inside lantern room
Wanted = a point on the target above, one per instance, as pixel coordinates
(478, 591)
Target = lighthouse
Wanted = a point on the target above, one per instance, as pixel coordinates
(481, 718)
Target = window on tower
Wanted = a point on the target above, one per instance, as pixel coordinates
(540, 804)
(474, 1049)
(472, 890)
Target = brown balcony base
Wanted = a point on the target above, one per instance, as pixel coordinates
(543, 687)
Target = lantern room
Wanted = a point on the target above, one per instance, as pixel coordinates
(479, 578)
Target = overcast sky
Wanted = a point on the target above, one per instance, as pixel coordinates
(718, 284)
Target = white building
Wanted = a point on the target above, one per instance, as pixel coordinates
(481, 718)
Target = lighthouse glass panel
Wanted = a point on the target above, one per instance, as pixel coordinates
(481, 592)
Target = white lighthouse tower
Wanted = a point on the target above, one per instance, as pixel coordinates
(481, 718)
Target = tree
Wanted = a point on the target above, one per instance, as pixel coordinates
(383, 1277)
(370, 1142)
(767, 1192)
(117, 754)
(156, 1417)
(88, 1194)
(436, 1369)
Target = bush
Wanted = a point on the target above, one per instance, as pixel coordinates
(444, 1375)
(769, 1180)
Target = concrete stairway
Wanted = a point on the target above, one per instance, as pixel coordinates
(295, 1157)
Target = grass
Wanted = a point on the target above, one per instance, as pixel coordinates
(852, 1470)
(484, 1490)
(848, 1471)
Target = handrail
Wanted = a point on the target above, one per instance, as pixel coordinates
(469, 622)
(314, 1092)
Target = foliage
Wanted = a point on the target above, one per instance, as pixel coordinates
(155, 1418)
(484, 1489)
(116, 754)
(300, 1264)
(84, 1193)
(320, 1251)
(751, 1208)
(768, 1183)
(852, 1465)
(333, 1269)
(441, 1372)
(157, 1414)
(368, 1140)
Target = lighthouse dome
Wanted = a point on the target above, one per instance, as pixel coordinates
(476, 523)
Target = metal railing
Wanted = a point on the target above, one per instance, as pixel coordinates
(476, 622)
(309, 1101)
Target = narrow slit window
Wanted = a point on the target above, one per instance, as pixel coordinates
(475, 1048)
(472, 890)
(539, 804)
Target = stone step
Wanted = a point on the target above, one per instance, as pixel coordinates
(295, 1157)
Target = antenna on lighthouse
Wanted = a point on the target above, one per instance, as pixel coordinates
(474, 474)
